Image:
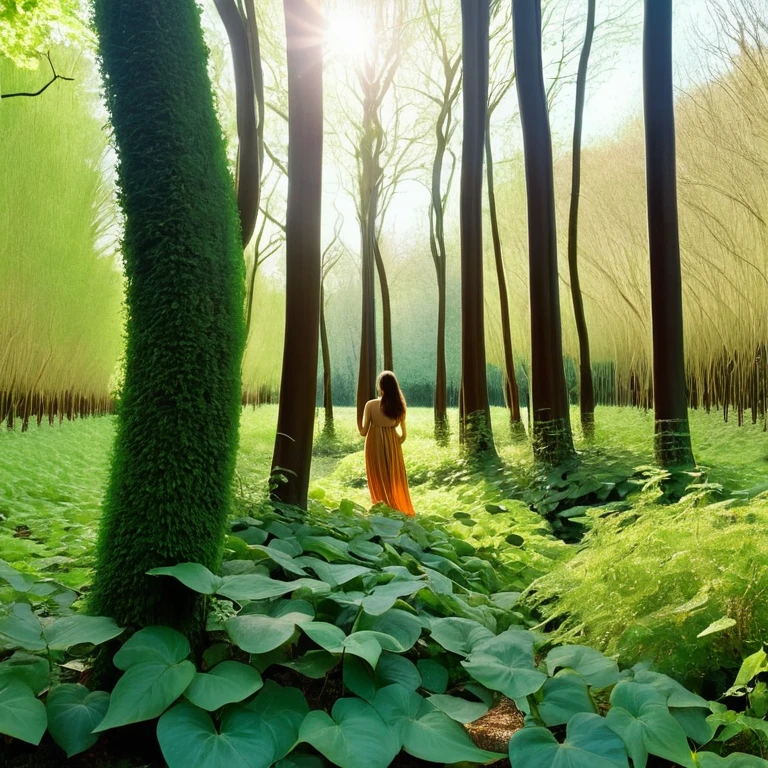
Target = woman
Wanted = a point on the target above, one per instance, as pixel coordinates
(384, 464)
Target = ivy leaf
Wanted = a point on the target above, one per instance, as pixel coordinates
(353, 730)
(188, 737)
(73, 713)
(22, 715)
(589, 743)
(227, 683)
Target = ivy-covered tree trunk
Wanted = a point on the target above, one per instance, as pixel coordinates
(476, 421)
(552, 440)
(673, 437)
(298, 386)
(169, 492)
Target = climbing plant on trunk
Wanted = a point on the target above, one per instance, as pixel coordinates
(169, 491)
(552, 440)
(296, 416)
(673, 438)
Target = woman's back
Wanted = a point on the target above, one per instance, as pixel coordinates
(377, 416)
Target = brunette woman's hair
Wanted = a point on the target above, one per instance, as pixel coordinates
(392, 400)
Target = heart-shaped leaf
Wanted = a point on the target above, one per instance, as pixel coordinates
(29, 669)
(282, 711)
(597, 670)
(327, 636)
(402, 629)
(161, 644)
(255, 586)
(226, 683)
(73, 713)
(365, 645)
(461, 710)
(458, 635)
(74, 630)
(675, 694)
(188, 737)
(145, 691)
(22, 628)
(335, 574)
(385, 596)
(589, 743)
(314, 664)
(734, 760)
(22, 715)
(353, 730)
(193, 575)
(564, 696)
(263, 632)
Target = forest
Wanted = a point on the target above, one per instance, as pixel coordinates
(383, 383)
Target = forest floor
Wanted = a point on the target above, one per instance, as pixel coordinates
(620, 555)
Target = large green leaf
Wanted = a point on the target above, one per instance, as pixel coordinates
(640, 716)
(597, 670)
(674, 693)
(589, 743)
(283, 559)
(401, 628)
(352, 735)
(314, 664)
(74, 630)
(161, 644)
(73, 713)
(188, 738)
(434, 676)
(22, 715)
(193, 575)
(326, 546)
(327, 636)
(398, 706)
(226, 683)
(282, 711)
(460, 710)
(735, 760)
(693, 721)
(145, 691)
(505, 664)
(335, 574)
(29, 669)
(384, 596)
(458, 635)
(366, 645)
(564, 696)
(751, 667)
(255, 586)
(263, 632)
(22, 629)
(392, 668)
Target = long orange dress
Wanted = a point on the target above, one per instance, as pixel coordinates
(384, 465)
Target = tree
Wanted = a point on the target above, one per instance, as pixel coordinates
(552, 441)
(444, 94)
(296, 416)
(31, 94)
(673, 438)
(475, 414)
(586, 387)
(169, 491)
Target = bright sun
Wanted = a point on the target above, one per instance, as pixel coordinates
(348, 34)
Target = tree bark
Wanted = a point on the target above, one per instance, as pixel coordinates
(169, 492)
(386, 309)
(328, 428)
(511, 393)
(478, 437)
(296, 416)
(586, 386)
(673, 439)
(552, 441)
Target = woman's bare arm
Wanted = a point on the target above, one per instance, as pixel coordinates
(365, 426)
(403, 430)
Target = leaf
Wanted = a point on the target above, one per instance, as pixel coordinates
(188, 737)
(694, 722)
(385, 596)
(734, 760)
(29, 669)
(440, 739)
(326, 546)
(353, 730)
(161, 644)
(193, 575)
(718, 626)
(564, 696)
(674, 693)
(589, 743)
(458, 709)
(313, 664)
(73, 713)
(458, 635)
(750, 668)
(397, 706)
(327, 636)
(74, 630)
(263, 632)
(639, 715)
(145, 691)
(401, 629)
(506, 664)
(255, 586)
(597, 670)
(282, 711)
(336, 575)
(283, 559)
(22, 715)
(22, 628)
(226, 683)
(365, 645)
(434, 676)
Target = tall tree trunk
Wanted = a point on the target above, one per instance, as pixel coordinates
(552, 441)
(586, 387)
(328, 428)
(673, 438)
(248, 174)
(511, 393)
(169, 492)
(442, 430)
(478, 437)
(386, 309)
(296, 416)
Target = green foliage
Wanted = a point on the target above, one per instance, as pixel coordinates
(169, 492)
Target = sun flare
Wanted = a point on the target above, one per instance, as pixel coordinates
(348, 34)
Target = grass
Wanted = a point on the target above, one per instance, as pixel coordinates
(649, 576)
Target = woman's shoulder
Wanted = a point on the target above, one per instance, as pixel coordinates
(371, 403)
